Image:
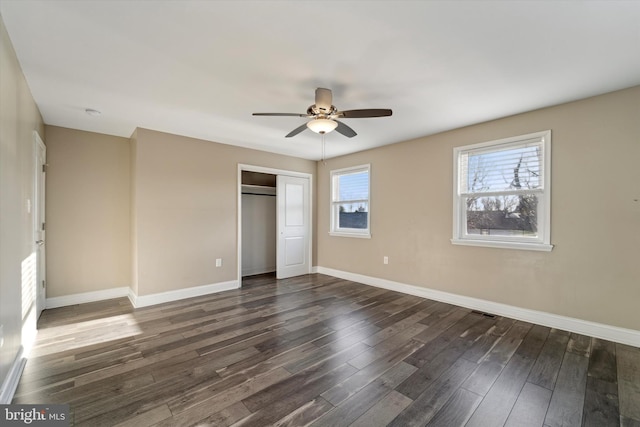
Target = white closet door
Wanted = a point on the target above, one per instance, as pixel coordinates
(294, 229)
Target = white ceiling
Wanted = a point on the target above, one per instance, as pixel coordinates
(200, 68)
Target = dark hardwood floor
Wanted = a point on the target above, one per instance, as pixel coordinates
(316, 350)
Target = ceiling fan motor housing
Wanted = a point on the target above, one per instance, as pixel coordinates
(322, 112)
(324, 100)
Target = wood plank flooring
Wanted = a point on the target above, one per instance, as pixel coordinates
(316, 350)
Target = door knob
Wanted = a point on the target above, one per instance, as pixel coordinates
(39, 242)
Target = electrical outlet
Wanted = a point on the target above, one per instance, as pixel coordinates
(218, 262)
(385, 260)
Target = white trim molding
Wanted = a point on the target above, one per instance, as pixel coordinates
(504, 245)
(86, 297)
(143, 300)
(598, 330)
(10, 383)
(170, 296)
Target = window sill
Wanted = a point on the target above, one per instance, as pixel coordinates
(345, 234)
(541, 247)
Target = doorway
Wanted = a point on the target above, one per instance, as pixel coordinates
(274, 222)
(39, 234)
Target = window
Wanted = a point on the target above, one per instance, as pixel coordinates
(350, 202)
(501, 193)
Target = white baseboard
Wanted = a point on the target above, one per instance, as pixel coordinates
(10, 383)
(140, 301)
(147, 300)
(598, 330)
(85, 297)
(314, 269)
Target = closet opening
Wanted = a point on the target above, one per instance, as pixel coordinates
(274, 222)
(259, 223)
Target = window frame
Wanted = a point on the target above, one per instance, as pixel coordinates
(334, 229)
(543, 241)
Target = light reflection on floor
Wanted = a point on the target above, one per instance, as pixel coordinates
(54, 339)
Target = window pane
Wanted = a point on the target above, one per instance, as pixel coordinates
(515, 168)
(508, 215)
(353, 215)
(353, 186)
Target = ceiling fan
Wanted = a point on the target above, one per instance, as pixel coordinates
(325, 115)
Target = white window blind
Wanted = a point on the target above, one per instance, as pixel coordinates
(503, 169)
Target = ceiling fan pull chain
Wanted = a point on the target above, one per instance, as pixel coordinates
(323, 150)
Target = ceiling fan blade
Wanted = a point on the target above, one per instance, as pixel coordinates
(296, 131)
(281, 114)
(360, 114)
(345, 130)
(324, 99)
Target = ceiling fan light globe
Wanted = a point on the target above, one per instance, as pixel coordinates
(322, 126)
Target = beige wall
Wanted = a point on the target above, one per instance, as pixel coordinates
(88, 209)
(19, 117)
(186, 208)
(593, 272)
(152, 212)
